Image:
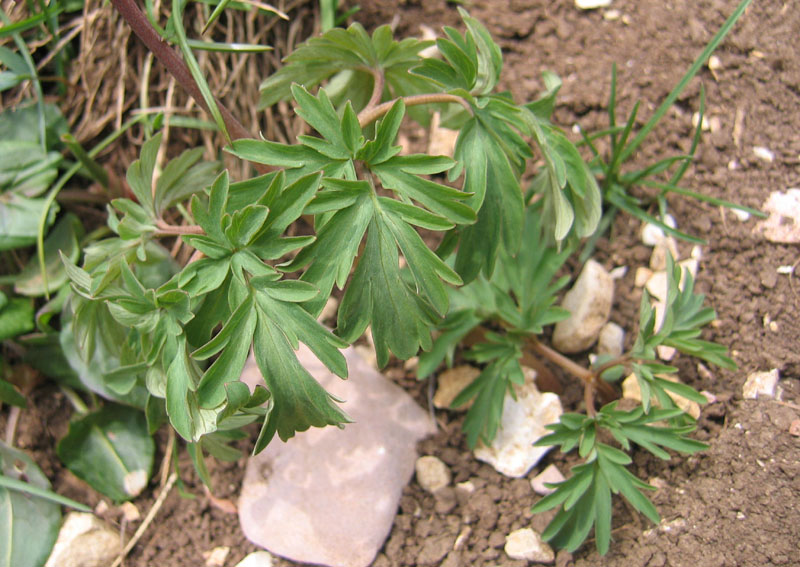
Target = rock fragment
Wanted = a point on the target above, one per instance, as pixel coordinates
(523, 423)
(450, 383)
(550, 475)
(256, 559)
(527, 545)
(589, 302)
(432, 473)
(611, 340)
(761, 385)
(85, 541)
(783, 223)
(216, 557)
(329, 496)
(592, 4)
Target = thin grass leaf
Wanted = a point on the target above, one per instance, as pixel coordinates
(690, 73)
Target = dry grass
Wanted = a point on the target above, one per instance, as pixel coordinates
(112, 76)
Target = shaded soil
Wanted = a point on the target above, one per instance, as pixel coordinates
(735, 504)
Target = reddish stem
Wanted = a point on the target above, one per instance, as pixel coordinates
(175, 65)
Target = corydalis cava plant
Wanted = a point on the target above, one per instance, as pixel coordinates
(181, 334)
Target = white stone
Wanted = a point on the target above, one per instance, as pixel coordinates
(696, 119)
(666, 353)
(451, 382)
(329, 496)
(550, 475)
(785, 270)
(130, 512)
(714, 63)
(611, 340)
(764, 154)
(642, 275)
(611, 15)
(783, 223)
(216, 557)
(665, 246)
(256, 559)
(657, 285)
(652, 234)
(740, 214)
(592, 4)
(761, 384)
(427, 33)
(589, 303)
(618, 273)
(527, 545)
(432, 473)
(523, 423)
(85, 541)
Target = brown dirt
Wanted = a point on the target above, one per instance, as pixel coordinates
(735, 504)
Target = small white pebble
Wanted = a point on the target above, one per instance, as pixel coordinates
(764, 153)
(611, 15)
(592, 4)
(740, 214)
(618, 273)
(714, 63)
(785, 270)
(706, 124)
(733, 164)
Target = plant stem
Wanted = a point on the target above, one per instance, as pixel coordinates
(165, 229)
(377, 89)
(591, 379)
(175, 65)
(369, 115)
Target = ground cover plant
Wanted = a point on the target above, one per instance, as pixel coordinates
(172, 339)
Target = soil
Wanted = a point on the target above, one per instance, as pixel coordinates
(737, 503)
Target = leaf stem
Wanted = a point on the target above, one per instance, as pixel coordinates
(369, 115)
(379, 80)
(165, 229)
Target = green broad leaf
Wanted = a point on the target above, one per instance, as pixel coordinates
(490, 58)
(496, 196)
(452, 330)
(298, 325)
(63, 238)
(21, 124)
(298, 160)
(352, 51)
(140, 174)
(237, 338)
(26, 169)
(30, 523)
(182, 178)
(110, 449)
(298, 401)
(10, 395)
(331, 255)
(19, 219)
(401, 175)
(377, 151)
(340, 140)
(377, 295)
(16, 318)
(185, 414)
(543, 107)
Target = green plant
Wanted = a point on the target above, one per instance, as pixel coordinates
(414, 242)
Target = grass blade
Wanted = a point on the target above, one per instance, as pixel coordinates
(19, 486)
(688, 76)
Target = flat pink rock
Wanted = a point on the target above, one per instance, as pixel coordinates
(329, 496)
